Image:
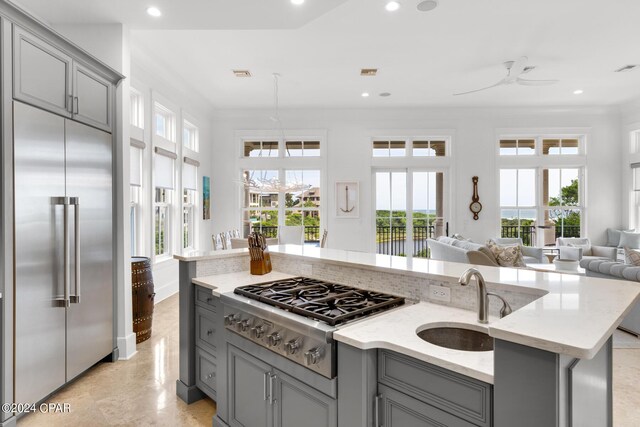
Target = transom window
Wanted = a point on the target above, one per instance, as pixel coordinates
(546, 146)
(137, 109)
(429, 148)
(302, 149)
(414, 147)
(165, 122)
(389, 148)
(261, 149)
(190, 135)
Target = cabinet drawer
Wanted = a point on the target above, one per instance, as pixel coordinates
(399, 410)
(205, 298)
(206, 373)
(462, 396)
(206, 330)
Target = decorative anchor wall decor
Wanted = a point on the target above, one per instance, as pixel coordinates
(346, 201)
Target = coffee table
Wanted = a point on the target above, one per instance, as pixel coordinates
(551, 268)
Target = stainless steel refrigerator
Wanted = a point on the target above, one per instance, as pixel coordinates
(63, 250)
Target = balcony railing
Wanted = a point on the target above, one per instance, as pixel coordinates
(311, 233)
(391, 241)
(528, 232)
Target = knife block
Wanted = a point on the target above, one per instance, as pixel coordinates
(261, 266)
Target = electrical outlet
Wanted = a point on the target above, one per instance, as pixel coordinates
(439, 293)
(306, 269)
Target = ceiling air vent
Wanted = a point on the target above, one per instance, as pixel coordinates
(369, 72)
(626, 68)
(242, 73)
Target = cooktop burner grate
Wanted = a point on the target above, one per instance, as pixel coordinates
(331, 303)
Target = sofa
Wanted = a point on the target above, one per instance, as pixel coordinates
(455, 250)
(618, 271)
(581, 248)
(530, 254)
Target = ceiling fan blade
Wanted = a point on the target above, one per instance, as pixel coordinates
(518, 66)
(527, 82)
(500, 83)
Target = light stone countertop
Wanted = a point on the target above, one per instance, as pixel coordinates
(223, 283)
(397, 330)
(574, 315)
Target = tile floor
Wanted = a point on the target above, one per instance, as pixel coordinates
(141, 391)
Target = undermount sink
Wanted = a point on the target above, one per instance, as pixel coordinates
(457, 338)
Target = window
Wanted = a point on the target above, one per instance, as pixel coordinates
(189, 210)
(261, 149)
(189, 202)
(137, 109)
(562, 201)
(518, 210)
(404, 220)
(302, 202)
(302, 148)
(163, 171)
(162, 222)
(165, 121)
(190, 136)
(389, 148)
(547, 146)
(134, 219)
(517, 147)
(260, 202)
(429, 148)
(560, 147)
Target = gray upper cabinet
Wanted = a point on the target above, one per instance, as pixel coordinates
(41, 73)
(92, 97)
(48, 78)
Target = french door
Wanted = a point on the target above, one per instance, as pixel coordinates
(411, 206)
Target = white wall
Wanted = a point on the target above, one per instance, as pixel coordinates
(474, 134)
(147, 77)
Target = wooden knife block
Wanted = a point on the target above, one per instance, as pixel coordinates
(261, 266)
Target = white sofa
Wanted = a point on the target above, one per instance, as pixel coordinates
(454, 250)
(574, 248)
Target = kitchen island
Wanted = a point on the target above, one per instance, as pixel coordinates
(551, 364)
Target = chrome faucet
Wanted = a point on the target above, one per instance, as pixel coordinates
(483, 295)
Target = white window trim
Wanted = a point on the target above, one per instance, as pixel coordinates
(540, 162)
(282, 163)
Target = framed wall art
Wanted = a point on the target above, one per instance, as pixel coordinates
(347, 199)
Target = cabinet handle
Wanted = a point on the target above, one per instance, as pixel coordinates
(209, 299)
(76, 107)
(68, 105)
(272, 401)
(211, 375)
(264, 384)
(376, 410)
(210, 331)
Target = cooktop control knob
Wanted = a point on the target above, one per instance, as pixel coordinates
(313, 356)
(243, 326)
(292, 346)
(274, 339)
(231, 319)
(257, 331)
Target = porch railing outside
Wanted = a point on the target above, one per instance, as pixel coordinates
(311, 233)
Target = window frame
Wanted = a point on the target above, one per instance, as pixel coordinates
(136, 116)
(188, 124)
(445, 136)
(159, 108)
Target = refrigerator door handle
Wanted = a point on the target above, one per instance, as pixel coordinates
(75, 201)
(64, 201)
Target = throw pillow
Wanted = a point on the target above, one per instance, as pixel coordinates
(631, 257)
(586, 249)
(613, 237)
(507, 255)
(629, 239)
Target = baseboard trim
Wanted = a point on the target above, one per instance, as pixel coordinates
(127, 347)
(165, 292)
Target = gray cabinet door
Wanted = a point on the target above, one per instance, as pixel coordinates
(91, 98)
(297, 404)
(248, 384)
(41, 73)
(399, 410)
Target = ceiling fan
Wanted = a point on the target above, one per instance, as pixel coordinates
(515, 69)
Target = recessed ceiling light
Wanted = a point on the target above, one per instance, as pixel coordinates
(578, 92)
(242, 73)
(385, 94)
(154, 11)
(392, 6)
(427, 5)
(365, 94)
(297, 2)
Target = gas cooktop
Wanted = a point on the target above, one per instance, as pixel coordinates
(328, 302)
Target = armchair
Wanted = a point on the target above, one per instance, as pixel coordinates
(530, 254)
(580, 248)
